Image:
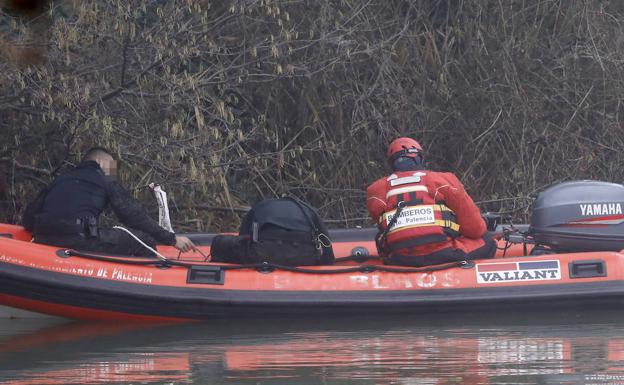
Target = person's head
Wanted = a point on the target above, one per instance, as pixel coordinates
(405, 154)
(104, 159)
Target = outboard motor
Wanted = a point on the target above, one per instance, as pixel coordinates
(579, 216)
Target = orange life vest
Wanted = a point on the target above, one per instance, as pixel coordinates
(421, 220)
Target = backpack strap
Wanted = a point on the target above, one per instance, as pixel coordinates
(317, 235)
(254, 231)
(305, 213)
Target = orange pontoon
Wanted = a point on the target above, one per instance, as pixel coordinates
(577, 227)
(79, 285)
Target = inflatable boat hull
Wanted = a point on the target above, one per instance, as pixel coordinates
(42, 279)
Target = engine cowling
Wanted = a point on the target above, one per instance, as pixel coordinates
(579, 216)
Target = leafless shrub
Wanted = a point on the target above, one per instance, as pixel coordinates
(228, 102)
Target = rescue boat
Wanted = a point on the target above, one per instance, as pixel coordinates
(569, 256)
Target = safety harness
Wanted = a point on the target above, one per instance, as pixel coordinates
(446, 214)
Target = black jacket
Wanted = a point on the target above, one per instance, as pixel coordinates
(85, 192)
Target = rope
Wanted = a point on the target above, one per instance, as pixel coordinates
(357, 258)
(380, 241)
(160, 256)
(268, 267)
(368, 268)
(140, 262)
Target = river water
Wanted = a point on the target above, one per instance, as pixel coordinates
(524, 348)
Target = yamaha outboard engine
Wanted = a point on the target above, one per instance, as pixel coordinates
(579, 216)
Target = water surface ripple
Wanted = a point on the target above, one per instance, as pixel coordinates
(568, 348)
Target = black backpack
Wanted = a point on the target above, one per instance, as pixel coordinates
(283, 231)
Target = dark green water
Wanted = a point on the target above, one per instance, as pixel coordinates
(526, 348)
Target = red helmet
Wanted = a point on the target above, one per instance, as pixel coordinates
(407, 147)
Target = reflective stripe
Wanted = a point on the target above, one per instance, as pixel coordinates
(405, 180)
(406, 189)
(443, 209)
(439, 222)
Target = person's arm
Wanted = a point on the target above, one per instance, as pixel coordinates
(376, 199)
(28, 218)
(132, 214)
(457, 199)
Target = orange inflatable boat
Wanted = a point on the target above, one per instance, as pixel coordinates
(80, 285)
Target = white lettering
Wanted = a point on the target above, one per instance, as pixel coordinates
(413, 215)
(426, 280)
(526, 275)
(132, 276)
(601, 209)
(61, 266)
(359, 279)
(376, 283)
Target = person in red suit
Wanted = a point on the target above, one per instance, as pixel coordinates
(424, 217)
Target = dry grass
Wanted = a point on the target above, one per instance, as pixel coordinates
(228, 102)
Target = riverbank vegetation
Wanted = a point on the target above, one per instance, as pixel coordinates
(227, 102)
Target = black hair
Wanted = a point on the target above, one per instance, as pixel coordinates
(94, 152)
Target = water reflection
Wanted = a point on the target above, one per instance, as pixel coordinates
(517, 348)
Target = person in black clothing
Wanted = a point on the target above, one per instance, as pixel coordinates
(66, 212)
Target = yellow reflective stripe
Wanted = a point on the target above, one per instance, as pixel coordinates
(438, 222)
(442, 223)
(447, 223)
(442, 207)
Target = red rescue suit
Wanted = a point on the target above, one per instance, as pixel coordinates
(438, 221)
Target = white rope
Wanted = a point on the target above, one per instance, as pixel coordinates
(160, 256)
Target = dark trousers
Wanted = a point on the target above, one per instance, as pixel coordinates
(488, 250)
(109, 241)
